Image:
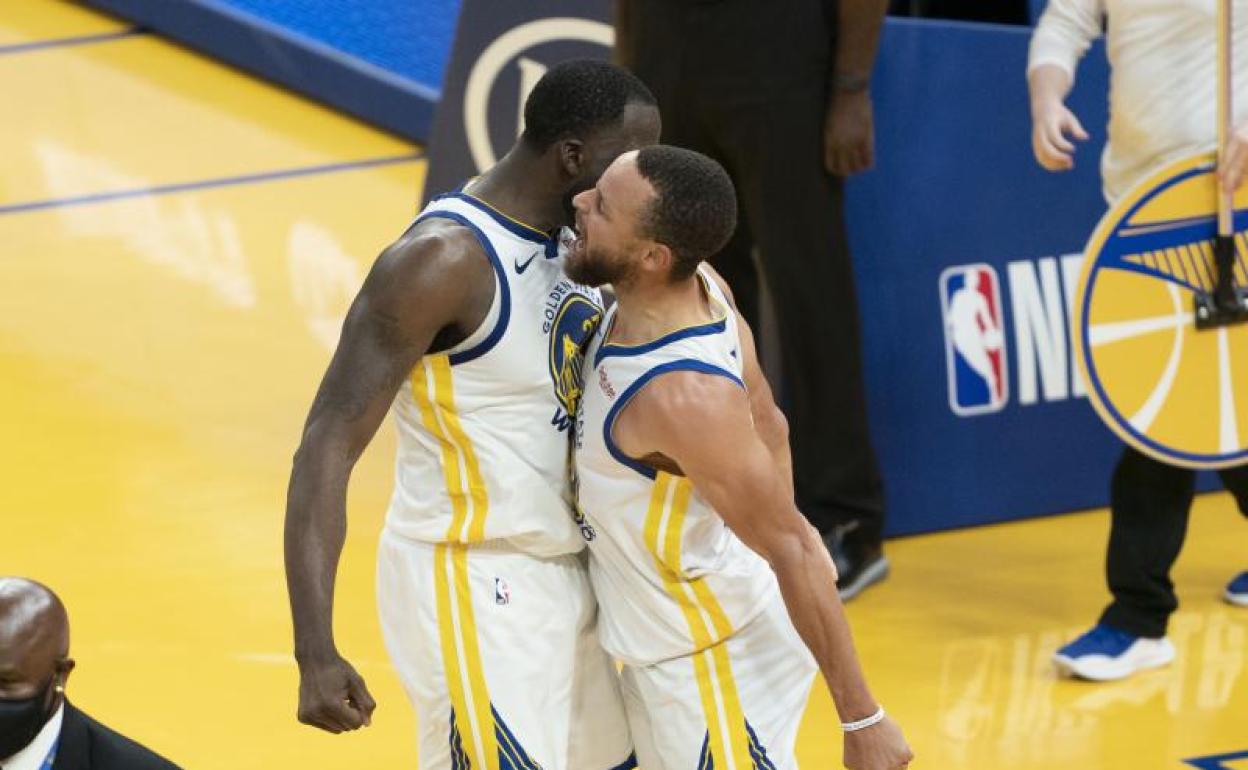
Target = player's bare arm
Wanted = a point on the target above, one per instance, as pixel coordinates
(426, 291)
(730, 465)
(769, 422)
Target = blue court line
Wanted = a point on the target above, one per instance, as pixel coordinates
(205, 184)
(63, 42)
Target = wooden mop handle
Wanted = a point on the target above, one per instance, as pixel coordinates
(1226, 223)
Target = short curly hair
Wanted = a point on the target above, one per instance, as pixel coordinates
(694, 209)
(578, 97)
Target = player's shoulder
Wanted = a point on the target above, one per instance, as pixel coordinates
(719, 281)
(442, 241)
(687, 394)
(437, 251)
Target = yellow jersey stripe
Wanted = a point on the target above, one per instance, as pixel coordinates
(451, 584)
(710, 709)
(472, 659)
(451, 663)
(445, 399)
(508, 217)
(720, 703)
(738, 738)
(450, 455)
(705, 604)
(658, 501)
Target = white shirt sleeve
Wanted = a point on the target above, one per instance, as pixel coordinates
(1064, 33)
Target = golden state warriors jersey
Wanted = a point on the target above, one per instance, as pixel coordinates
(484, 427)
(671, 578)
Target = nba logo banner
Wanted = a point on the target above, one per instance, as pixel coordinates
(974, 339)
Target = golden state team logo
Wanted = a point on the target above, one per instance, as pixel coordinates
(1174, 392)
(573, 318)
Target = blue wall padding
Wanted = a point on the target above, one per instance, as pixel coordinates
(378, 60)
(412, 38)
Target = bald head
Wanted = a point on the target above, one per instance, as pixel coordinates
(34, 636)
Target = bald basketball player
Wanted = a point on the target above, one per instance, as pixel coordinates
(714, 592)
(39, 728)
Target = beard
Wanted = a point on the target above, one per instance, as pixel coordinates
(595, 267)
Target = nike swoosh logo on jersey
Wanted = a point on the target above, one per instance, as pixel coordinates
(522, 266)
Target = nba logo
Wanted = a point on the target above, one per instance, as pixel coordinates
(974, 340)
(502, 592)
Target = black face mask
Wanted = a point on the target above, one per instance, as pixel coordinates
(21, 720)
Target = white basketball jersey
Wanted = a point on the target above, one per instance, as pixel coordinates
(671, 578)
(484, 427)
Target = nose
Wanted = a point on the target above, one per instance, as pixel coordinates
(580, 201)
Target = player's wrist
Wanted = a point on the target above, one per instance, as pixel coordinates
(871, 720)
(316, 654)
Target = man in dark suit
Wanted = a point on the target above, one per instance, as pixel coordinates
(39, 728)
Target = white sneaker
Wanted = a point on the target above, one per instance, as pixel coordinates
(1106, 653)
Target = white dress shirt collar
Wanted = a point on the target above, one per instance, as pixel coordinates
(31, 757)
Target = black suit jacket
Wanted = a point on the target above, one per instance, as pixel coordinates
(88, 745)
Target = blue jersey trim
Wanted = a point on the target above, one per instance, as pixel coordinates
(607, 350)
(512, 226)
(628, 764)
(680, 365)
(757, 751)
(459, 760)
(511, 754)
(504, 313)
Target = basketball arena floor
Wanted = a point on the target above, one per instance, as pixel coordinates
(178, 242)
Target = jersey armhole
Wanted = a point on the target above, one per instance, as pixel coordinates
(680, 365)
(467, 351)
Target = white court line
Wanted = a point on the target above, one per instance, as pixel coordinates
(1228, 429)
(1106, 333)
(1142, 420)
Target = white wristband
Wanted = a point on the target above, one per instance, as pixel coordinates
(862, 724)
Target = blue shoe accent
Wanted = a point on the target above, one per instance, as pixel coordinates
(1237, 590)
(1106, 653)
(1101, 640)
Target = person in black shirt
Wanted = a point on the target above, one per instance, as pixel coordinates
(779, 94)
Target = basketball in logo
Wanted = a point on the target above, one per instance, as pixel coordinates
(1174, 392)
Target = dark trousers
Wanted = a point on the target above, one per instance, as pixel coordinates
(746, 82)
(1150, 503)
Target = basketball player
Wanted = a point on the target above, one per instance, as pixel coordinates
(686, 494)
(469, 330)
(1162, 108)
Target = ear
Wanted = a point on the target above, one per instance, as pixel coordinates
(63, 669)
(658, 259)
(572, 158)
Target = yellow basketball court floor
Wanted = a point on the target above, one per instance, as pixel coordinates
(178, 243)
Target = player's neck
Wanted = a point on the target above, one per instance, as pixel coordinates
(647, 313)
(519, 187)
